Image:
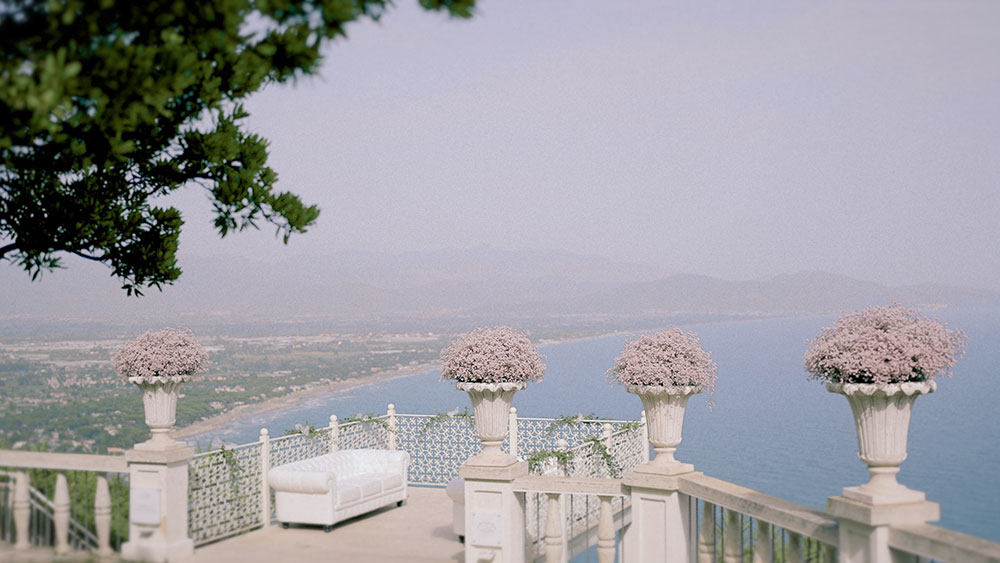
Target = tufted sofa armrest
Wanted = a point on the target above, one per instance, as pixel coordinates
(297, 480)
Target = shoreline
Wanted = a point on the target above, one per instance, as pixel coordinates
(215, 422)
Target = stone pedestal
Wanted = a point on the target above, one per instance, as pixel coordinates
(494, 512)
(158, 499)
(864, 527)
(663, 518)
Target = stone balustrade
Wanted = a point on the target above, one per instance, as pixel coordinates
(55, 514)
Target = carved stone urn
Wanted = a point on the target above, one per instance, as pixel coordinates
(664, 406)
(882, 418)
(491, 407)
(159, 400)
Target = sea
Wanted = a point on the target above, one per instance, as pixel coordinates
(769, 427)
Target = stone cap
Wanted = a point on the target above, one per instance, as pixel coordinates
(902, 514)
(493, 472)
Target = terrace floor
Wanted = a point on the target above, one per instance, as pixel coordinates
(420, 530)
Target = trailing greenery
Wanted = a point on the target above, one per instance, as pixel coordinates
(570, 420)
(614, 470)
(308, 428)
(539, 457)
(440, 417)
(368, 419)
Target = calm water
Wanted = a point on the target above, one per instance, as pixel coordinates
(771, 429)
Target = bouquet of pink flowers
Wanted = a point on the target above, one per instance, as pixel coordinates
(670, 358)
(165, 355)
(492, 355)
(883, 345)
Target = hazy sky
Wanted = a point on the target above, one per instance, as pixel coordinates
(730, 139)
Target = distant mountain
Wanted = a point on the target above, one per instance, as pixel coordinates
(480, 283)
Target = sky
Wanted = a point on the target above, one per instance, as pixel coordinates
(735, 140)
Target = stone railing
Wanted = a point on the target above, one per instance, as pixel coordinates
(84, 513)
(574, 501)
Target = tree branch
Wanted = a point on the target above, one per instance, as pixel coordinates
(88, 256)
(5, 249)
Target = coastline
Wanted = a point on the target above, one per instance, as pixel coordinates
(215, 422)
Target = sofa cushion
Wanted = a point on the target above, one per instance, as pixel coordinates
(370, 486)
(390, 481)
(347, 492)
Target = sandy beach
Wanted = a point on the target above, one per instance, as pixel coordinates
(244, 411)
(220, 420)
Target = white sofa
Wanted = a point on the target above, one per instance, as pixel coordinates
(327, 489)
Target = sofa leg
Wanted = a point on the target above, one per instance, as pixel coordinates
(461, 539)
(399, 503)
(328, 528)
(284, 525)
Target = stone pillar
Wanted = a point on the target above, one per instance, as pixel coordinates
(158, 504)
(494, 513)
(864, 526)
(663, 519)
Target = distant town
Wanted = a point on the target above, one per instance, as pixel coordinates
(64, 395)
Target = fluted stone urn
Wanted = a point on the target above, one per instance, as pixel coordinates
(491, 364)
(882, 419)
(159, 400)
(491, 407)
(158, 362)
(664, 406)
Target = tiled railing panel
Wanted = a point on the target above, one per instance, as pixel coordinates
(224, 492)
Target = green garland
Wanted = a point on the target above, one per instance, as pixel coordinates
(614, 470)
(308, 429)
(562, 457)
(568, 420)
(368, 419)
(438, 418)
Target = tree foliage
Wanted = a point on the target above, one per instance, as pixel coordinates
(107, 104)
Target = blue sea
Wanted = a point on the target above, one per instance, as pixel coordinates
(770, 429)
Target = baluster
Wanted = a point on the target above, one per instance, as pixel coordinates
(829, 553)
(334, 434)
(706, 534)
(61, 514)
(265, 467)
(794, 553)
(733, 535)
(391, 415)
(22, 510)
(645, 437)
(605, 532)
(512, 431)
(102, 516)
(762, 548)
(553, 530)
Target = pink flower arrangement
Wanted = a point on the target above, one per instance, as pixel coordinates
(492, 355)
(883, 345)
(669, 358)
(165, 355)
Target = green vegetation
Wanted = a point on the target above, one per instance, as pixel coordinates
(105, 106)
(538, 458)
(68, 395)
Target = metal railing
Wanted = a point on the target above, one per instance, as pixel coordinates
(227, 487)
